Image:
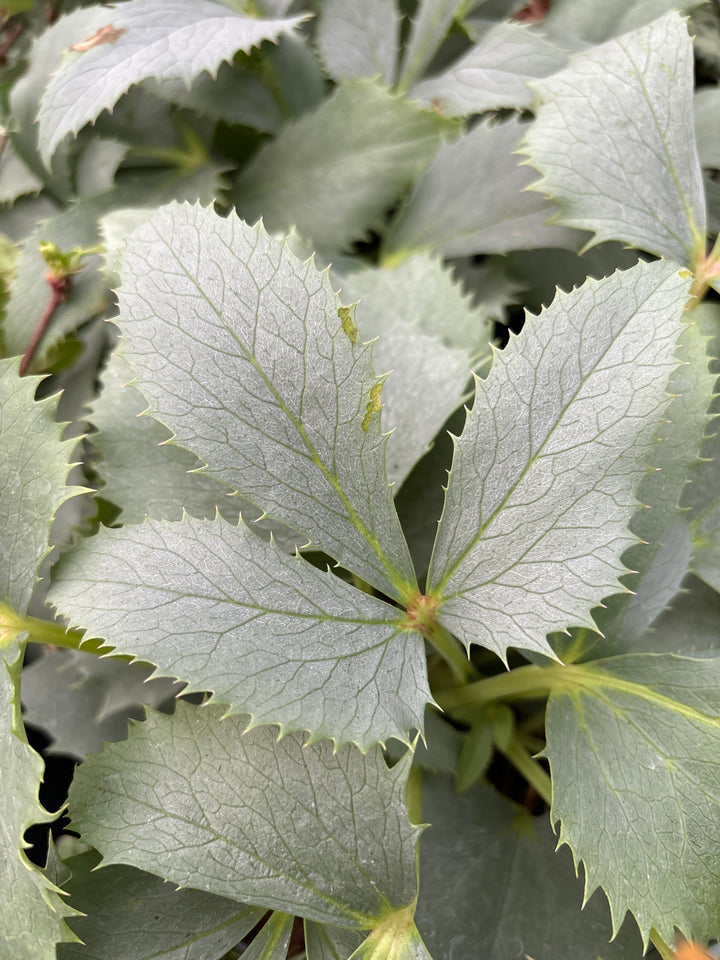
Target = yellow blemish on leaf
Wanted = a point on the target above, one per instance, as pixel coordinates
(106, 34)
(374, 405)
(345, 314)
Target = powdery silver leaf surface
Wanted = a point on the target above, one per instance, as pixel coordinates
(138, 916)
(701, 497)
(494, 73)
(493, 213)
(80, 700)
(16, 178)
(313, 831)
(164, 39)
(145, 475)
(430, 24)
(269, 634)
(662, 558)
(359, 40)
(581, 22)
(545, 474)
(706, 104)
(614, 140)
(33, 472)
(334, 173)
(492, 885)
(633, 743)
(240, 350)
(32, 911)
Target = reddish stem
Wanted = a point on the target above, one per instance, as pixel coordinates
(60, 287)
(11, 35)
(533, 12)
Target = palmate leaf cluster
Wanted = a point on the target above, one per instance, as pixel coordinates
(389, 593)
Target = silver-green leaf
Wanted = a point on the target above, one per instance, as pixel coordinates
(80, 700)
(271, 943)
(313, 831)
(706, 104)
(702, 495)
(219, 608)
(359, 41)
(545, 474)
(633, 745)
(32, 911)
(428, 337)
(492, 885)
(493, 213)
(614, 140)
(144, 475)
(245, 353)
(494, 73)
(34, 469)
(164, 39)
(138, 916)
(432, 20)
(33, 473)
(662, 559)
(335, 172)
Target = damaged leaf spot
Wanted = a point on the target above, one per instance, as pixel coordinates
(345, 314)
(106, 34)
(374, 406)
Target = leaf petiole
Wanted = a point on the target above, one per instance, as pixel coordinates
(451, 651)
(44, 631)
(665, 951)
(62, 268)
(530, 681)
(533, 772)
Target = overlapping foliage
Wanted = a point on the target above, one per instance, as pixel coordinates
(353, 558)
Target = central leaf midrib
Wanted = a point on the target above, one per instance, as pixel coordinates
(177, 594)
(531, 462)
(395, 578)
(689, 213)
(589, 680)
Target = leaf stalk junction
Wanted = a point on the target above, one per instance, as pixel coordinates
(421, 616)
